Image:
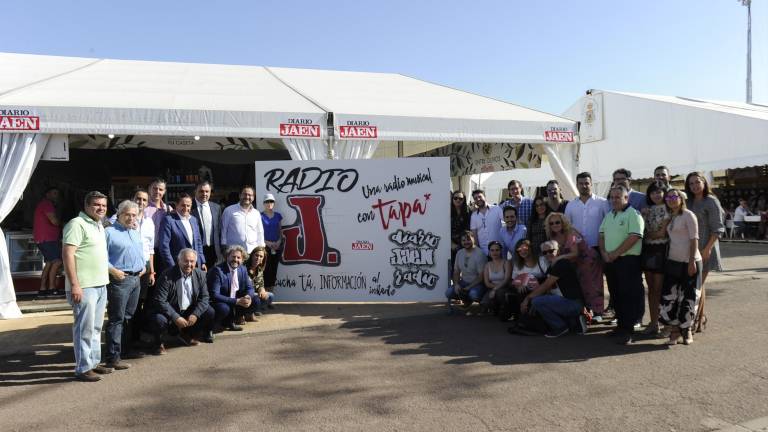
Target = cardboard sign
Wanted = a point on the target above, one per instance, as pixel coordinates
(361, 230)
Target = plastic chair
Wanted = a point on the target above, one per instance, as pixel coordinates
(729, 228)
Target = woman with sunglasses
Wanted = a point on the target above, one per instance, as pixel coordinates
(467, 272)
(654, 252)
(710, 217)
(528, 269)
(536, 232)
(496, 276)
(683, 271)
(574, 248)
(459, 221)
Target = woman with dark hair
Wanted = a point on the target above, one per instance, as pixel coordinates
(709, 216)
(683, 271)
(555, 201)
(654, 254)
(459, 221)
(536, 231)
(527, 270)
(496, 275)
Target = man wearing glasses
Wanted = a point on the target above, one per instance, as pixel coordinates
(561, 312)
(620, 246)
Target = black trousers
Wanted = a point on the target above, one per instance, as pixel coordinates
(625, 277)
(210, 256)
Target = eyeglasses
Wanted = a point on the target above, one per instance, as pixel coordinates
(548, 251)
(458, 198)
(557, 222)
(671, 198)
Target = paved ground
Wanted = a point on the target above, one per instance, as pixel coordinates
(408, 367)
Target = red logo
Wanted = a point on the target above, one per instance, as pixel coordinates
(358, 131)
(362, 245)
(305, 240)
(557, 136)
(299, 130)
(19, 122)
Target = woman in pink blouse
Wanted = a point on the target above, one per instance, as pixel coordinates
(682, 276)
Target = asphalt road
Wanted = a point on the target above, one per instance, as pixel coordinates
(427, 373)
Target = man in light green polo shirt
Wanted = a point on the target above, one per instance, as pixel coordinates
(620, 246)
(86, 268)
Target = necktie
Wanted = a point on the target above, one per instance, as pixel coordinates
(203, 225)
(235, 284)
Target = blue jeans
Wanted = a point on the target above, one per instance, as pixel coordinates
(86, 330)
(268, 301)
(123, 298)
(475, 294)
(558, 312)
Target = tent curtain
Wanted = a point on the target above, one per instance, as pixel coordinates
(306, 149)
(355, 149)
(562, 175)
(19, 154)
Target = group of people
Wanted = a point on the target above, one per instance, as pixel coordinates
(186, 270)
(543, 261)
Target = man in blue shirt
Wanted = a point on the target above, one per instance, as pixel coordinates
(125, 251)
(511, 233)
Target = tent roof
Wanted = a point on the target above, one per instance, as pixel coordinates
(100, 96)
(642, 131)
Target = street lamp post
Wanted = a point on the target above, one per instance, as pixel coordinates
(748, 4)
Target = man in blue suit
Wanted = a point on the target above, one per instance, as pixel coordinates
(232, 294)
(179, 230)
(208, 214)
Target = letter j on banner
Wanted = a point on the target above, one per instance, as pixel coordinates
(361, 230)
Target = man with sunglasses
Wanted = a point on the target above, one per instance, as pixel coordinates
(620, 246)
(563, 309)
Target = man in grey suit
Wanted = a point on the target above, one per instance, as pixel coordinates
(208, 214)
(181, 298)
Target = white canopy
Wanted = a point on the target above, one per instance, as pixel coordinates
(121, 97)
(640, 132)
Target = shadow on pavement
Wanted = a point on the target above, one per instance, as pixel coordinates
(49, 364)
(484, 339)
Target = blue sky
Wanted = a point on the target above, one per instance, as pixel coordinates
(538, 53)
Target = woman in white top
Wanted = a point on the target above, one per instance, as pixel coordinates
(527, 270)
(496, 275)
(682, 277)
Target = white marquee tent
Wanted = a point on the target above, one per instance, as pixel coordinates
(315, 114)
(640, 132)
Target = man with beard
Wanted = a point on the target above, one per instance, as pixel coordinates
(232, 294)
(485, 221)
(241, 223)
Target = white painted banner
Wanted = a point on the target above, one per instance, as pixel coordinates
(361, 230)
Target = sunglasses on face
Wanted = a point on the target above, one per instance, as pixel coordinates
(548, 251)
(456, 198)
(556, 222)
(671, 198)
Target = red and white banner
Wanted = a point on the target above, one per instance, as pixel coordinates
(558, 136)
(19, 123)
(299, 130)
(364, 132)
(361, 230)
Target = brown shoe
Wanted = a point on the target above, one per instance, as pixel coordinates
(101, 370)
(88, 376)
(240, 320)
(250, 318)
(118, 365)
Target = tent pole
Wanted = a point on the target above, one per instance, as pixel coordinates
(561, 174)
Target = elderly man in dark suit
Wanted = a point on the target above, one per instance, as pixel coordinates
(181, 299)
(232, 293)
(208, 215)
(179, 230)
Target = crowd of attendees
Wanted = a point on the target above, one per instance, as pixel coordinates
(543, 261)
(183, 271)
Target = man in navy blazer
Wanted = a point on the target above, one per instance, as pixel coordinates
(179, 230)
(208, 215)
(180, 303)
(232, 294)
